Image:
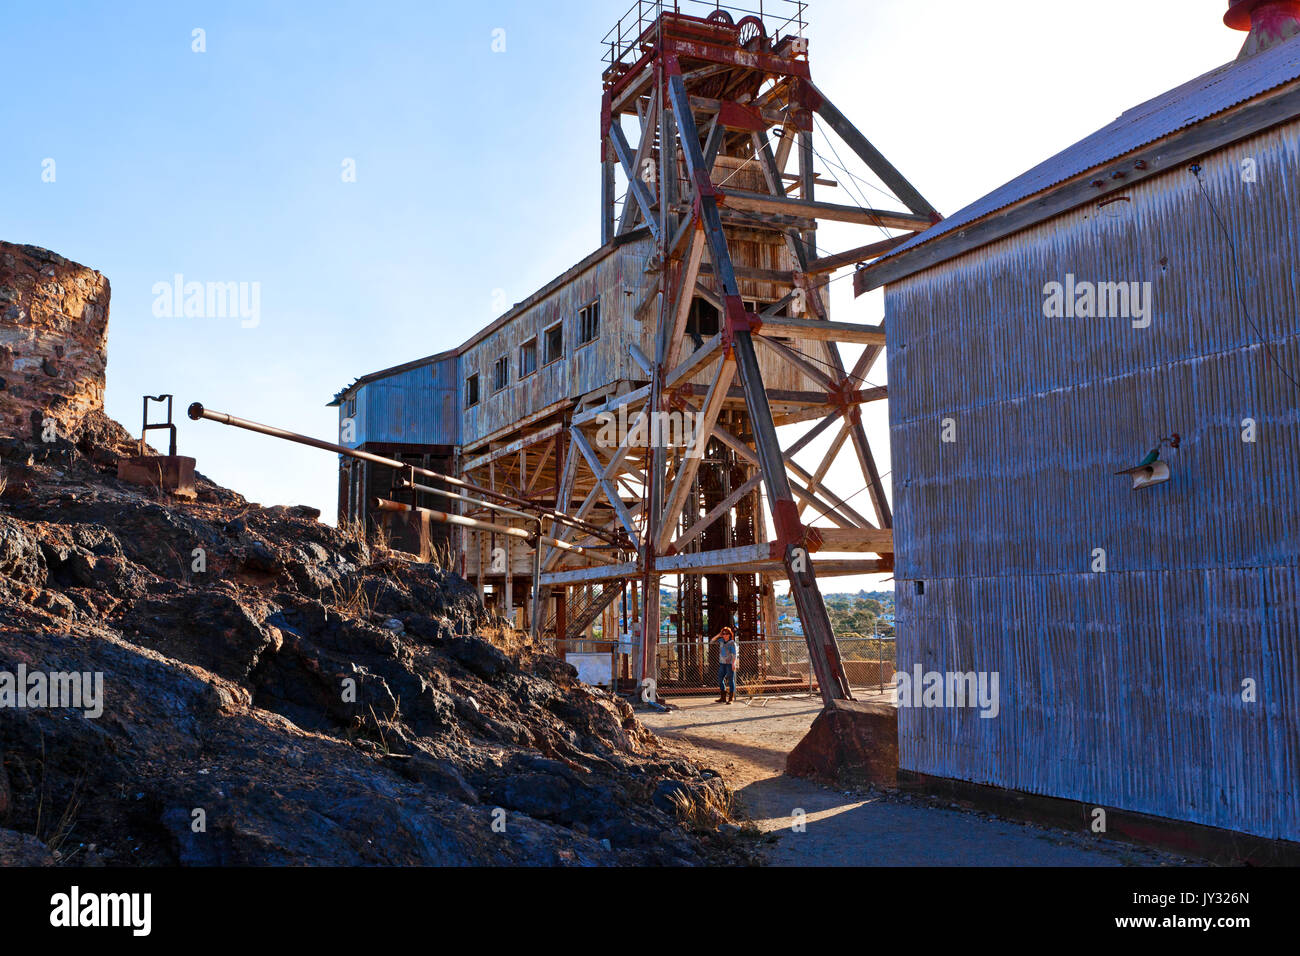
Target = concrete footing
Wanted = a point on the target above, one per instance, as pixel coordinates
(851, 743)
(170, 473)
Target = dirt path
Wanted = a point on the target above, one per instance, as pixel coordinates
(747, 743)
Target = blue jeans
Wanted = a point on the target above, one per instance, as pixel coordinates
(726, 678)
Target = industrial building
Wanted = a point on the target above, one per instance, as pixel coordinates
(1095, 424)
(633, 401)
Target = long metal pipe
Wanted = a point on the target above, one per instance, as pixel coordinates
(534, 625)
(443, 517)
(197, 412)
(503, 509)
(534, 621)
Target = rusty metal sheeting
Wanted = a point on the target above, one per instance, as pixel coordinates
(415, 406)
(1220, 89)
(1121, 688)
(618, 282)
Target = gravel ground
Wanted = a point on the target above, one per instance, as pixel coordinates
(747, 742)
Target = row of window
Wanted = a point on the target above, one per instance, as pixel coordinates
(552, 351)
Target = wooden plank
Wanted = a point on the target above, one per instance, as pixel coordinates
(827, 460)
(647, 119)
(720, 560)
(639, 357)
(811, 209)
(611, 492)
(505, 451)
(607, 200)
(635, 185)
(839, 540)
(541, 466)
(797, 361)
(695, 362)
(610, 572)
(871, 250)
(847, 567)
(812, 433)
(691, 533)
(613, 405)
(690, 276)
(689, 463)
(822, 330)
(834, 507)
(712, 562)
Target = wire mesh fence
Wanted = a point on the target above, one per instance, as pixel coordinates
(779, 665)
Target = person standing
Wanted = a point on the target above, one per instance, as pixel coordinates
(728, 658)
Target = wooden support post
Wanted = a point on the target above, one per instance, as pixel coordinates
(606, 201)
(789, 532)
(509, 601)
(635, 184)
(561, 622)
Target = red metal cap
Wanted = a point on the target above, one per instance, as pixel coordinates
(1239, 11)
(1238, 15)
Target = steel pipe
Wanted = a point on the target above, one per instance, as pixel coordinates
(443, 517)
(197, 412)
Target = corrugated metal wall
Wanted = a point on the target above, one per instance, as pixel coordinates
(1121, 688)
(418, 406)
(619, 282)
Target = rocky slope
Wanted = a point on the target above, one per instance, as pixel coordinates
(277, 693)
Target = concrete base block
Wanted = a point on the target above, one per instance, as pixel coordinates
(851, 743)
(170, 473)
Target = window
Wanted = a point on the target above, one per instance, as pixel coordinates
(350, 408)
(589, 323)
(471, 391)
(501, 373)
(554, 340)
(702, 322)
(528, 358)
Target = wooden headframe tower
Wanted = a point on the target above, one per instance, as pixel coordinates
(702, 88)
(712, 306)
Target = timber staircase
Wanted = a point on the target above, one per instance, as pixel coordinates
(585, 605)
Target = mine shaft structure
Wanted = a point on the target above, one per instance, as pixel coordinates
(712, 203)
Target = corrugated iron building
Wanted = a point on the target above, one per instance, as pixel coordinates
(1127, 626)
(410, 413)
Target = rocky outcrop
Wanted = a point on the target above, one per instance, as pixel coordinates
(53, 336)
(275, 692)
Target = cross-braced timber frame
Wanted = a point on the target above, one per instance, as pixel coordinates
(711, 97)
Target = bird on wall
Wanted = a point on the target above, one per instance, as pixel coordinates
(1151, 470)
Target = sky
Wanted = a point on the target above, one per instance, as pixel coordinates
(388, 173)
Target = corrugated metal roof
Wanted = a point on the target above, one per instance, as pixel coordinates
(1197, 100)
(388, 373)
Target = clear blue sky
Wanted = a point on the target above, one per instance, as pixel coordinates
(476, 171)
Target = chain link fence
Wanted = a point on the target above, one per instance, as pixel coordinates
(773, 666)
(780, 665)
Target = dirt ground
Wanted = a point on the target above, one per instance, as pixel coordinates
(747, 743)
